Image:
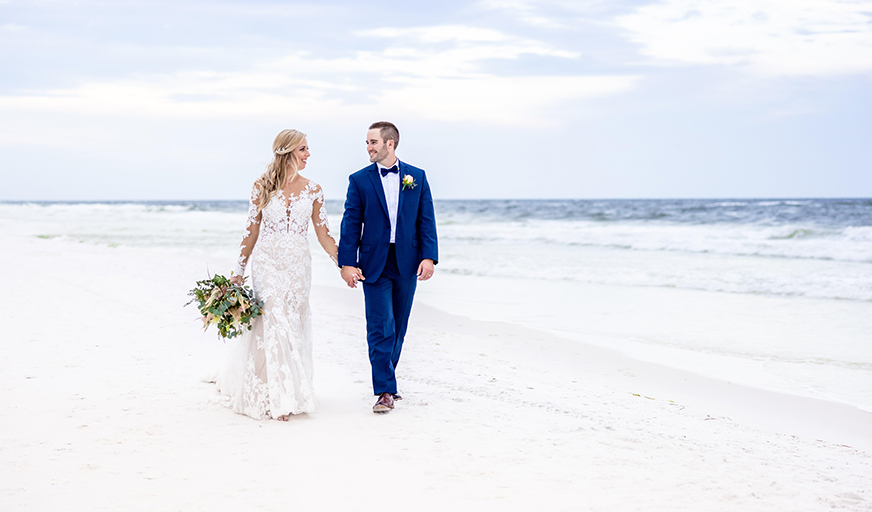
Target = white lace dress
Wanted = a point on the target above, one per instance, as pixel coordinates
(268, 371)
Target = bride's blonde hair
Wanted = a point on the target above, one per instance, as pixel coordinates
(284, 161)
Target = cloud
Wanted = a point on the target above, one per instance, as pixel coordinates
(11, 27)
(499, 100)
(440, 34)
(766, 37)
(471, 43)
(557, 14)
(434, 72)
(524, 11)
(187, 95)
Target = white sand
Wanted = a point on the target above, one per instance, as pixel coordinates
(104, 408)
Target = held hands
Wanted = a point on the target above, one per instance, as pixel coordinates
(425, 270)
(351, 275)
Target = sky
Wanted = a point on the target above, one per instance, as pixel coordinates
(173, 100)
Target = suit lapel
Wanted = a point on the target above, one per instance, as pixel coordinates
(402, 167)
(379, 188)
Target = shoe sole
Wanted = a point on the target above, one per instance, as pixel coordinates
(381, 408)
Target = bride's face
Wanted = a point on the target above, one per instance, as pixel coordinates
(301, 154)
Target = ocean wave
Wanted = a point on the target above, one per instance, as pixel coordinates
(859, 234)
(824, 212)
(714, 273)
(800, 233)
(852, 244)
(782, 203)
(125, 206)
(728, 203)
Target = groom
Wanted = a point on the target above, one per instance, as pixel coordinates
(388, 241)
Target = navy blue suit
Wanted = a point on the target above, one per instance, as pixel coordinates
(389, 269)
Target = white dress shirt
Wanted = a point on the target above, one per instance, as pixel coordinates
(391, 184)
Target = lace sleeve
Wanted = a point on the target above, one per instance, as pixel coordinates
(322, 227)
(249, 236)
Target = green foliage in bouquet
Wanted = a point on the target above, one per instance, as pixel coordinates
(231, 307)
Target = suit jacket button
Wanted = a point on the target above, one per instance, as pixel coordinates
(386, 245)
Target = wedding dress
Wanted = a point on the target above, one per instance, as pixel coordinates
(268, 371)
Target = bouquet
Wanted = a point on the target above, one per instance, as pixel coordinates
(231, 307)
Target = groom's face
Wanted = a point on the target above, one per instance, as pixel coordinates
(376, 147)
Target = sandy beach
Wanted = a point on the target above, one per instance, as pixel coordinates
(107, 407)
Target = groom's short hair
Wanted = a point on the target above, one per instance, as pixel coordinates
(388, 131)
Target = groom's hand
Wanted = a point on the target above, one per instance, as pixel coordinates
(351, 275)
(425, 270)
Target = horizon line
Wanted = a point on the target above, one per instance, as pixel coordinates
(738, 198)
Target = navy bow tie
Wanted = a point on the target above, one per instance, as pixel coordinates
(385, 172)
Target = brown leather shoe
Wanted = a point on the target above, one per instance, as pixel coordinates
(385, 403)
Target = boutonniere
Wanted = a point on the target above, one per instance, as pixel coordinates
(409, 182)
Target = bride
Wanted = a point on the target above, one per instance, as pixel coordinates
(268, 371)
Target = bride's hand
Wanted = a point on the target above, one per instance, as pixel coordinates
(237, 280)
(351, 275)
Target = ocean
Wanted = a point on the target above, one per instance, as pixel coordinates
(770, 293)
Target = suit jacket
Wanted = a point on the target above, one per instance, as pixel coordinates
(365, 234)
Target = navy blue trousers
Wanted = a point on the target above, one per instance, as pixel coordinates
(388, 304)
